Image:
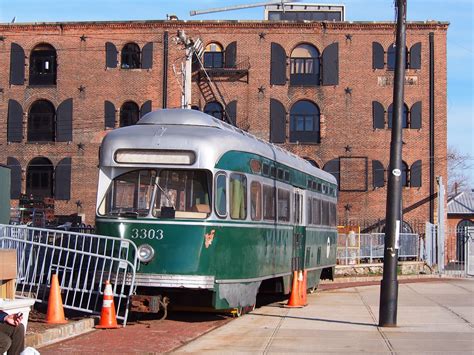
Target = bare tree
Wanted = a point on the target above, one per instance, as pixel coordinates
(459, 166)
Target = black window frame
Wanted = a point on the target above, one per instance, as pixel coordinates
(41, 126)
(43, 65)
(305, 135)
(130, 56)
(129, 116)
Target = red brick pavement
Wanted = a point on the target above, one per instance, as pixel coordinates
(145, 337)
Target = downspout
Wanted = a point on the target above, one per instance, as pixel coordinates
(165, 70)
(432, 142)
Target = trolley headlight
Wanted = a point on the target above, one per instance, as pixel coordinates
(145, 253)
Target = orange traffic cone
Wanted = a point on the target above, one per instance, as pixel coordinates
(108, 319)
(55, 313)
(304, 288)
(295, 296)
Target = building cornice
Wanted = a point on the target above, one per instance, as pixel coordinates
(164, 25)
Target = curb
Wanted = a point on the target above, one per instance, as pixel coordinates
(377, 278)
(62, 332)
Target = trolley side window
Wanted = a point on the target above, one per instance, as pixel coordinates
(255, 201)
(268, 202)
(283, 205)
(186, 192)
(130, 194)
(220, 199)
(325, 212)
(332, 214)
(316, 211)
(238, 196)
(309, 211)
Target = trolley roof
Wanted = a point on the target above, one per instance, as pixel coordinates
(207, 136)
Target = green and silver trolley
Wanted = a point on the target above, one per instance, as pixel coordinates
(217, 214)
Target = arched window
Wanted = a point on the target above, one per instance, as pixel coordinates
(41, 122)
(43, 65)
(304, 65)
(304, 122)
(391, 57)
(215, 109)
(39, 178)
(404, 174)
(129, 114)
(461, 238)
(130, 56)
(311, 161)
(214, 56)
(404, 116)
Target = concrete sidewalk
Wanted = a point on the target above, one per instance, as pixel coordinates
(433, 317)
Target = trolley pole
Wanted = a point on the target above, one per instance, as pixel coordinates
(389, 284)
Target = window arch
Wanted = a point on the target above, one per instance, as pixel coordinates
(214, 55)
(43, 65)
(129, 114)
(214, 109)
(39, 178)
(304, 65)
(391, 57)
(41, 122)
(311, 161)
(305, 122)
(404, 116)
(130, 56)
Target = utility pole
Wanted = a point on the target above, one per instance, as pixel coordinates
(389, 284)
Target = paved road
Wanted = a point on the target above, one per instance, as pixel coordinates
(433, 317)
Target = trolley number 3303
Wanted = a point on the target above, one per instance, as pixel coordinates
(143, 233)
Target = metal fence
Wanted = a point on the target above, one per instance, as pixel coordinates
(83, 262)
(458, 256)
(354, 248)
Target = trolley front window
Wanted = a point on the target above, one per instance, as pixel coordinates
(159, 193)
(182, 194)
(130, 194)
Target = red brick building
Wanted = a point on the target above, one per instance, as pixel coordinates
(322, 90)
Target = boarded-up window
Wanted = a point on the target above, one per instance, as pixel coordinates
(415, 56)
(62, 180)
(378, 114)
(277, 122)
(231, 110)
(332, 167)
(415, 174)
(15, 177)
(231, 55)
(147, 56)
(15, 122)
(17, 65)
(378, 56)
(378, 174)
(277, 65)
(415, 115)
(110, 55)
(146, 107)
(109, 114)
(330, 59)
(64, 121)
(353, 173)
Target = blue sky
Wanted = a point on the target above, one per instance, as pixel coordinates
(458, 12)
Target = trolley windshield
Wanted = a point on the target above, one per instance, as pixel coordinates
(163, 193)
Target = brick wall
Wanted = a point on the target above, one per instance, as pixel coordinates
(346, 115)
